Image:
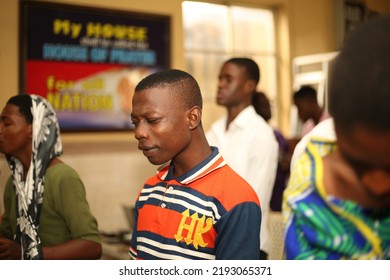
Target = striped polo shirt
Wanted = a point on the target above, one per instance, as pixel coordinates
(208, 213)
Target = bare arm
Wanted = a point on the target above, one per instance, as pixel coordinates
(75, 249)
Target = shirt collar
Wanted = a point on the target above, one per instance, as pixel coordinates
(242, 118)
(211, 163)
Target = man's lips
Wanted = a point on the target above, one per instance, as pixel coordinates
(220, 95)
(147, 150)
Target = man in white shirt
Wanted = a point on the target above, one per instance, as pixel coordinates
(243, 137)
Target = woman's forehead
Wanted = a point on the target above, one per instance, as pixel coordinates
(11, 109)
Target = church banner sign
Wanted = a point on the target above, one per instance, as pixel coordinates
(87, 61)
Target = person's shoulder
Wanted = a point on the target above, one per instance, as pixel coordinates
(263, 132)
(60, 170)
(324, 130)
(260, 120)
(307, 170)
(301, 182)
(260, 123)
(9, 185)
(232, 187)
(216, 131)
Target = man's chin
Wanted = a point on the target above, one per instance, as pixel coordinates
(155, 161)
(382, 198)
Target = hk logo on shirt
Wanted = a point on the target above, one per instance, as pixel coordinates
(195, 227)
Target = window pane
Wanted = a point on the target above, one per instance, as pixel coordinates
(205, 68)
(253, 30)
(205, 26)
(215, 33)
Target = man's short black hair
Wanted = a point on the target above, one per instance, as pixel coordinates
(182, 84)
(24, 103)
(359, 91)
(306, 93)
(251, 67)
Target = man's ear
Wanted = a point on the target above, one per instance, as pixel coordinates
(250, 86)
(30, 130)
(194, 117)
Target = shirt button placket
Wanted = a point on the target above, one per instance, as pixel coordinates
(169, 189)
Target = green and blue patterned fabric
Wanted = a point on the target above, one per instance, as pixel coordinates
(320, 226)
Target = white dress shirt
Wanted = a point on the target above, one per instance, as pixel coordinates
(249, 146)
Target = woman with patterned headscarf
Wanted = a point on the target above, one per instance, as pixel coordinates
(46, 212)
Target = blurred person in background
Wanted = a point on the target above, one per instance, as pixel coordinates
(305, 99)
(337, 203)
(46, 213)
(245, 139)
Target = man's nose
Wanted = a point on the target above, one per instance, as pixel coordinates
(141, 131)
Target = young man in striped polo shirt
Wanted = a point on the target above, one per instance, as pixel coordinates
(196, 206)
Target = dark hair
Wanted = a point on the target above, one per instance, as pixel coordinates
(24, 103)
(262, 105)
(251, 67)
(306, 93)
(359, 91)
(182, 84)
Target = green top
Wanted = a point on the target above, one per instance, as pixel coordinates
(65, 213)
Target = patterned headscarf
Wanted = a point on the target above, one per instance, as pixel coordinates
(46, 145)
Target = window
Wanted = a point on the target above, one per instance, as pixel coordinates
(214, 33)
